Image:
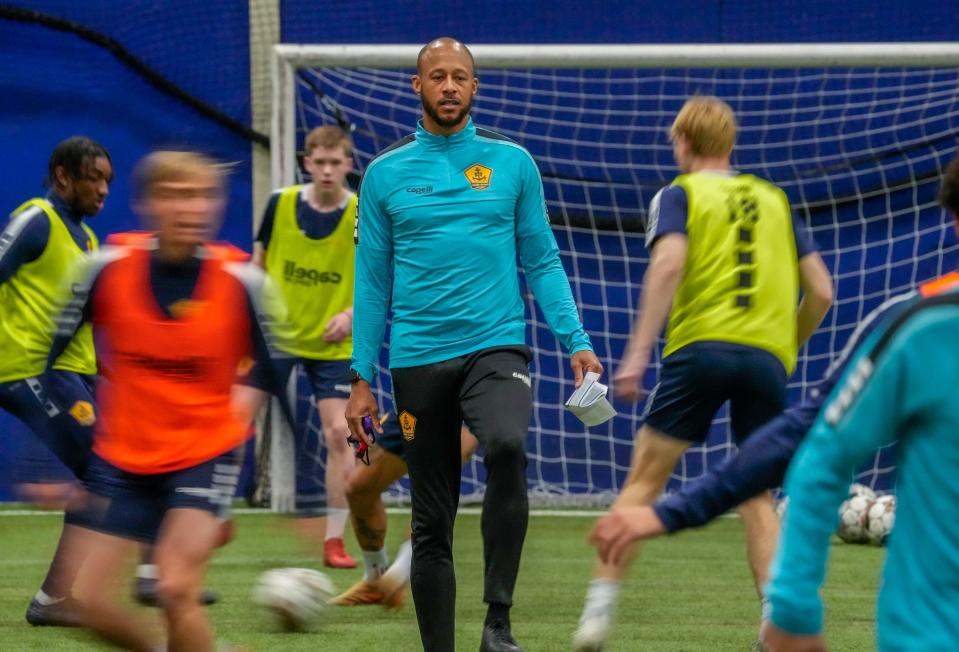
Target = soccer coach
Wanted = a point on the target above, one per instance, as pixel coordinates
(442, 216)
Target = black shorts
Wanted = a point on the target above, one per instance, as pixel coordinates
(696, 380)
(132, 505)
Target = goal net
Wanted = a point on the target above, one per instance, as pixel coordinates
(857, 136)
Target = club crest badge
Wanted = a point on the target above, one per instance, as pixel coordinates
(407, 425)
(83, 413)
(479, 176)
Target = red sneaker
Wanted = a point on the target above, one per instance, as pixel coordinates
(335, 555)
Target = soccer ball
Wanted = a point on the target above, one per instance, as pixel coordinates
(854, 518)
(882, 516)
(296, 597)
(862, 490)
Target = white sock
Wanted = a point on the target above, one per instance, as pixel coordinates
(376, 564)
(336, 522)
(147, 571)
(601, 598)
(46, 600)
(399, 571)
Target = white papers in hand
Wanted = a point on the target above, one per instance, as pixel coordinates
(589, 402)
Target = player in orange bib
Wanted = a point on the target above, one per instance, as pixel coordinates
(177, 320)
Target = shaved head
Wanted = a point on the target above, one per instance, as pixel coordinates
(446, 84)
(444, 43)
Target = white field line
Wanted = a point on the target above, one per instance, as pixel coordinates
(470, 511)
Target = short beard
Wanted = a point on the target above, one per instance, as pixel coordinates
(446, 123)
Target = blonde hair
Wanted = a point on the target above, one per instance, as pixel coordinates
(327, 136)
(166, 165)
(708, 125)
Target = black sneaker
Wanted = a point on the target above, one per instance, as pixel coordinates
(64, 613)
(496, 638)
(145, 592)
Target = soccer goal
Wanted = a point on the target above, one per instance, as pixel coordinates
(856, 134)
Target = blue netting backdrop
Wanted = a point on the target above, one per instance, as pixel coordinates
(858, 151)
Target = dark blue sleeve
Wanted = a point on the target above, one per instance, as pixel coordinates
(667, 214)
(23, 239)
(269, 361)
(763, 458)
(805, 244)
(266, 225)
(262, 374)
(759, 465)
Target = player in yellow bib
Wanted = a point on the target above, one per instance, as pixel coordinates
(727, 263)
(305, 243)
(41, 247)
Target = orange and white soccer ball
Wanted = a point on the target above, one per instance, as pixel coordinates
(296, 598)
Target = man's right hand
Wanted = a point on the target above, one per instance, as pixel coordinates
(360, 404)
(622, 526)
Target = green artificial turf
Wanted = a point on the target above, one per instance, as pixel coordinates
(692, 592)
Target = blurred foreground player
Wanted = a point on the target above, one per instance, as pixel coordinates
(727, 261)
(305, 243)
(443, 215)
(176, 317)
(40, 249)
(899, 387)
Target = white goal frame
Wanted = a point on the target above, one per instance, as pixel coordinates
(287, 58)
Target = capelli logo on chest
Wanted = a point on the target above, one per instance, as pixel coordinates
(420, 190)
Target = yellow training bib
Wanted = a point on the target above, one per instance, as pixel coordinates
(314, 276)
(741, 280)
(31, 299)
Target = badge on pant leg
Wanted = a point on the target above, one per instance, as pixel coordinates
(407, 425)
(82, 412)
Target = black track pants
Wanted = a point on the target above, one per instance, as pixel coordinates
(490, 391)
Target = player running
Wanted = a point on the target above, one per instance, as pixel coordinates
(761, 462)
(176, 318)
(41, 245)
(726, 265)
(305, 243)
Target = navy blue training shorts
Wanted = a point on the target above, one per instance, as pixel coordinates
(696, 380)
(132, 505)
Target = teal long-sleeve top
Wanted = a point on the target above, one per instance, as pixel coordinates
(901, 385)
(440, 224)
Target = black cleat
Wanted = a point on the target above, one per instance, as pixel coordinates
(64, 613)
(496, 638)
(145, 592)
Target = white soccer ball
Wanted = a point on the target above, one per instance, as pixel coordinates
(862, 490)
(882, 517)
(295, 597)
(854, 518)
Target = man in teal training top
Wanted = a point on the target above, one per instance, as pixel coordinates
(443, 214)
